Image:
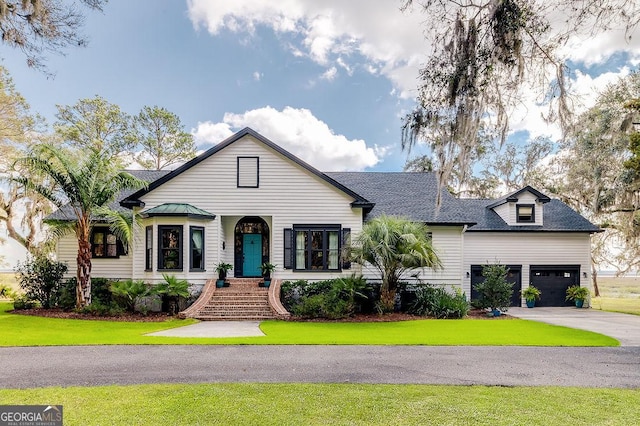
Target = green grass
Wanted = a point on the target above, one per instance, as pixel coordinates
(616, 304)
(618, 294)
(21, 330)
(334, 404)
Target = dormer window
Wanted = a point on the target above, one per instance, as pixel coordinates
(525, 213)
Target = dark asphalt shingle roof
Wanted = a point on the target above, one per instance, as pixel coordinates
(409, 194)
(556, 216)
(413, 195)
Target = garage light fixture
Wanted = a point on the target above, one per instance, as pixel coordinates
(584, 275)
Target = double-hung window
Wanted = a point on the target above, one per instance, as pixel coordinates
(104, 244)
(316, 248)
(170, 247)
(196, 251)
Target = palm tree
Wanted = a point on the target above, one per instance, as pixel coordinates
(86, 182)
(394, 245)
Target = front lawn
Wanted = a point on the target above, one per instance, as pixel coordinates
(333, 404)
(21, 330)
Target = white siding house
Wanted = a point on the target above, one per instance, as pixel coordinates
(246, 201)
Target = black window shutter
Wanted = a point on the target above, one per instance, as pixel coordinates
(122, 249)
(288, 248)
(346, 246)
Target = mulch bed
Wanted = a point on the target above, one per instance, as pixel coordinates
(159, 316)
(399, 316)
(59, 313)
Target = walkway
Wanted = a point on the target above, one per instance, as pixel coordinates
(623, 327)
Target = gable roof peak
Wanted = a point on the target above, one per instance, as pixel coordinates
(134, 199)
(513, 197)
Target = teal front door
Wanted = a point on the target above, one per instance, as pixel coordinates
(251, 255)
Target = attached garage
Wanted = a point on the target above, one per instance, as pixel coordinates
(553, 282)
(513, 276)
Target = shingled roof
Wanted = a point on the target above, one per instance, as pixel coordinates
(413, 195)
(409, 194)
(557, 217)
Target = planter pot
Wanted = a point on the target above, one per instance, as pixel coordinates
(531, 303)
(496, 312)
(579, 303)
(267, 283)
(219, 283)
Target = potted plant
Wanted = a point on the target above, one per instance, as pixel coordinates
(267, 268)
(578, 294)
(222, 269)
(531, 294)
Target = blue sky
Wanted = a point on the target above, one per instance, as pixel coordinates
(328, 80)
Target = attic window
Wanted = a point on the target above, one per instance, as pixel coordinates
(525, 213)
(248, 168)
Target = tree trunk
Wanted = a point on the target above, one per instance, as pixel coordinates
(594, 280)
(83, 289)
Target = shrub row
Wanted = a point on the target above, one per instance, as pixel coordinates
(437, 302)
(42, 283)
(334, 299)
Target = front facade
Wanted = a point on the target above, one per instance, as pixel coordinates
(247, 201)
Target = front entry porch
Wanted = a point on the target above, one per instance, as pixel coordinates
(251, 246)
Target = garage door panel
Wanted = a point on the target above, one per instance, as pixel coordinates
(553, 284)
(513, 276)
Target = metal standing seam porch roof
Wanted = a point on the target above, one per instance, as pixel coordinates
(178, 210)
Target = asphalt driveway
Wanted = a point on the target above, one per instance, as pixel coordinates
(24, 367)
(623, 327)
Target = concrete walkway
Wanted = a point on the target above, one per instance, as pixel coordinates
(214, 329)
(623, 327)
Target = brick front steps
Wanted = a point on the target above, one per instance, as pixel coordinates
(242, 300)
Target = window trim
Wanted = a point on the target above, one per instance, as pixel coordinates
(148, 248)
(325, 246)
(191, 247)
(180, 248)
(120, 250)
(533, 213)
(257, 185)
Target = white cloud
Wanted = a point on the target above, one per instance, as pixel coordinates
(329, 30)
(329, 74)
(375, 36)
(257, 76)
(209, 132)
(299, 132)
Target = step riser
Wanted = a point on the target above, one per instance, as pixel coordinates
(242, 300)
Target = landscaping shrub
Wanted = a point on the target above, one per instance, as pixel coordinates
(127, 293)
(171, 291)
(67, 295)
(22, 301)
(40, 278)
(494, 292)
(333, 299)
(100, 292)
(436, 301)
